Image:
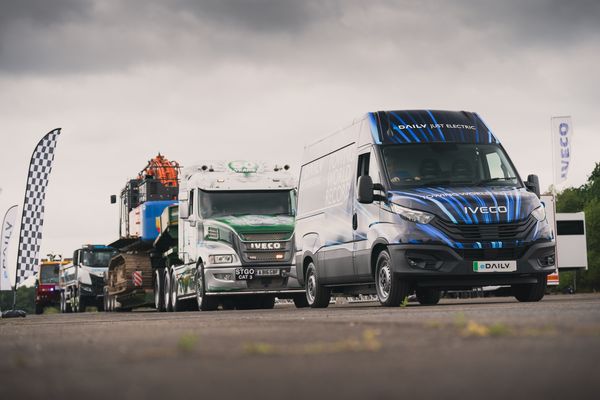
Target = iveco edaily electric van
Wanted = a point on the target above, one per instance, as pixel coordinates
(418, 201)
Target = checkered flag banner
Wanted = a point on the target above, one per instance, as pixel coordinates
(33, 206)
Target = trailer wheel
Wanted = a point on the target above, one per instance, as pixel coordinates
(317, 296)
(428, 296)
(159, 297)
(390, 290)
(205, 303)
(532, 291)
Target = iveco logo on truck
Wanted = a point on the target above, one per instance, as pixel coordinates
(265, 246)
(486, 210)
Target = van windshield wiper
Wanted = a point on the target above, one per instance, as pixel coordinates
(484, 181)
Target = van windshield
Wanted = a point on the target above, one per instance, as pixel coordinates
(236, 203)
(448, 164)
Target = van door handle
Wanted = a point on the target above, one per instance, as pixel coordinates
(354, 221)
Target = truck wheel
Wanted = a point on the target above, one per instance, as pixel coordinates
(105, 299)
(167, 290)
(159, 297)
(267, 302)
(532, 291)
(205, 303)
(317, 296)
(39, 309)
(300, 301)
(62, 302)
(390, 290)
(428, 296)
(174, 303)
(81, 303)
(228, 304)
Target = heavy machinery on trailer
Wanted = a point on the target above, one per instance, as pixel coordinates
(129, 280)
(81, 281)
(235, 227)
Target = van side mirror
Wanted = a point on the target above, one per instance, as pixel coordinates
(113, 198)
(533, 184)
(365, 189)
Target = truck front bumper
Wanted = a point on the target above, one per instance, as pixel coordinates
(444, 267)
(222, 281)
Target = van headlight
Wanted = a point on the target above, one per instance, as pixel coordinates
(221, 259)
(539, 213)
(420, 217)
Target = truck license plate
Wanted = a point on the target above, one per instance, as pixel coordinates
(244, 274)
(494, 266)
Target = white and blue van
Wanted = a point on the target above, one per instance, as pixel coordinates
(418, 201)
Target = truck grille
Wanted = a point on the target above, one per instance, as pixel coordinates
(266, 256)
(266, 236)
(486, 232)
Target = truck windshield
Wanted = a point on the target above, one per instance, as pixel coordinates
(97, 258)
(448, 164)
(231, 203)
(49, 273)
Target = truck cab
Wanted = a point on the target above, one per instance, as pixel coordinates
(82, 280)
(235, 239)
(47, 289)
(418, 200)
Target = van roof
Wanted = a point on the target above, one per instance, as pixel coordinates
(425, 126)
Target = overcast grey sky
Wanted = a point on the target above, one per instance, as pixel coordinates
(260, 78)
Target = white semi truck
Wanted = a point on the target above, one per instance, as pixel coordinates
(213, 234)
(235, 238)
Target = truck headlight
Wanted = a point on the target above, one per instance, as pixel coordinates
(221, 259)
(420, 217)
(539, 213)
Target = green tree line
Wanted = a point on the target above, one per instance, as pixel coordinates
(585, 198)
(25, 300)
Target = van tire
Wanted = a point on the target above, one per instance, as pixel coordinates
(300, 301)
(391, 290)
(428, 296)
(317, 296)
(531, 292)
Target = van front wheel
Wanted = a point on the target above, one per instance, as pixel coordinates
(390, 289)
(317, 296)
(532, 291)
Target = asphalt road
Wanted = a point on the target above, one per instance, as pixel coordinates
(478, 348)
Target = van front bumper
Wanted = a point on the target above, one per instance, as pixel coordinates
(442, 266)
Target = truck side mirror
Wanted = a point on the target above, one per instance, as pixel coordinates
(533, 184)
(113, 198)
(183, 209)
(76, 257)
(365, 189)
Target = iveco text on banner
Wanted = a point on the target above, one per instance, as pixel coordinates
(7, 227)
(562, 135)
